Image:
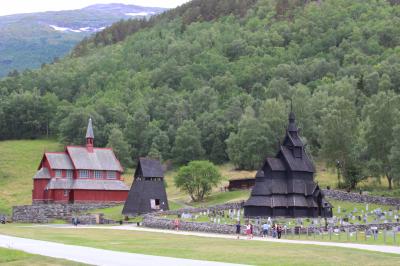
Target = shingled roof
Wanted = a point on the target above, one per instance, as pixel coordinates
(59, 161)
(43, 173)
(149, 168)
(79, 184)
(99, 159)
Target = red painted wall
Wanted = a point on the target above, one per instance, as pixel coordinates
(38, 192)
(100, 196)
(58, 196)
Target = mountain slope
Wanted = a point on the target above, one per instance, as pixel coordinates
(225, 83)
(28, 40)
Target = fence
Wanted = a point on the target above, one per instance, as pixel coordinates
(369, 236)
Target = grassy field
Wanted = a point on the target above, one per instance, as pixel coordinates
(224, 250)
(15, 257)
(19, 162)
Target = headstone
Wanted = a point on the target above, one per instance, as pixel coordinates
(338, 209)
(366, 207)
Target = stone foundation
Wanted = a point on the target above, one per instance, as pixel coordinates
(46, 213)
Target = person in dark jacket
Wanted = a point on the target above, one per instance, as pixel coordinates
(279, 231)
(238, 226)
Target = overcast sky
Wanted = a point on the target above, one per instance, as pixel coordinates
(8, 7)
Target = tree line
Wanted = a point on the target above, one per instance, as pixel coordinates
(220, 89)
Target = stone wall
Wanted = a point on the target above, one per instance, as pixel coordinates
(46, 213)
(357, 197)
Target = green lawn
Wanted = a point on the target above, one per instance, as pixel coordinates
(15, 257)
(213, 249)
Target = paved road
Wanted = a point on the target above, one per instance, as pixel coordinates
(95, 256)
(378, 248)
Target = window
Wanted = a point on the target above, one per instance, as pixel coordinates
(84, 173)
(155, 204)
(98, 174)
(59, 173)
(111, 175)
(69, 174)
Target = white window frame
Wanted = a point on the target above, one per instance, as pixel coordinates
(82, 175)
(58, 173)
(98, 174)
(111, 175)
(69, 174)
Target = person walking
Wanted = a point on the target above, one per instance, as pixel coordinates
(274, 231)
(176, 224)
(279, 231)
(265, 229)
(248, 230)
(238, 226)
(251, 231)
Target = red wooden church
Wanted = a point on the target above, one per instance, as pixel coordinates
(79, 175)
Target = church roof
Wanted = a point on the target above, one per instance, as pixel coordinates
(302, 164)
(276, 164)
(59, 160)
(99, 159)
(62, 183)
(43, 173)
(273, 201)
(150, 168)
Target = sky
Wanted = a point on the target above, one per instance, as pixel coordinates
(8, 7)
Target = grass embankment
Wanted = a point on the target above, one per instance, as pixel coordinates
(224, 250)
(18, 164)
(15, 257)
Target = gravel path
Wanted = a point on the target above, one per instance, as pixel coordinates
(95, 256)
(378, 248)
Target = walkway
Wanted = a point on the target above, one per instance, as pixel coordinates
(378, 248)
(95, 256)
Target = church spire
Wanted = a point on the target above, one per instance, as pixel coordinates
(292, 119)
(89, 136)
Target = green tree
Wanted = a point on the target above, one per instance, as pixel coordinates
(197, 179)
(120, 146)
(394, 157)
(382, 113)
(338, 134)
(250, 144)
(187, 143)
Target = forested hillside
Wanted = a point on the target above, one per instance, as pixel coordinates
(220, 87)
(29, 40)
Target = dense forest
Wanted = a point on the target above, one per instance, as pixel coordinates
(214, 80)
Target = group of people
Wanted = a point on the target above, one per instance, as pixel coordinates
(274, 230)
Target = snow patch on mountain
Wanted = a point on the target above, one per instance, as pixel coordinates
(82, 29)
(140, 14)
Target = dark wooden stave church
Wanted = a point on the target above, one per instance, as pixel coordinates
(147, 193)
(285, 184)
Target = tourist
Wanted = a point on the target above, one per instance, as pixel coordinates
(265, 228)
(238, 229)
(274, 231)
(248, 230)
(176, 224)
(279, 231)
(75, 221)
